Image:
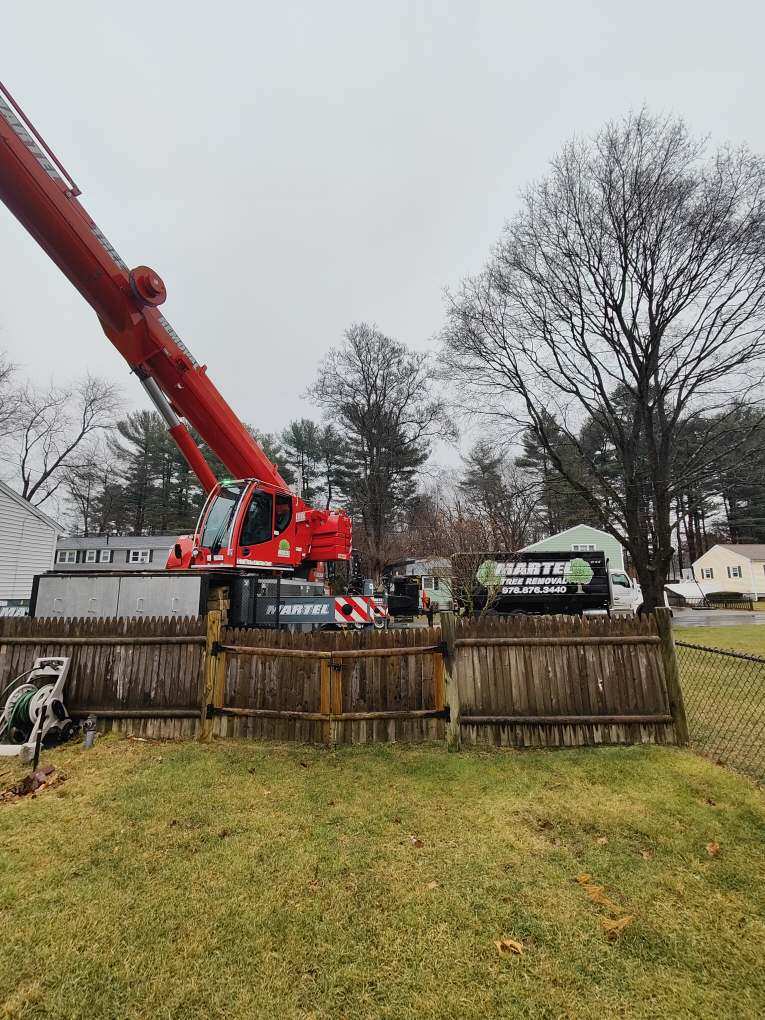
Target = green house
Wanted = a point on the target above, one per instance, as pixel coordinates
(583, 538)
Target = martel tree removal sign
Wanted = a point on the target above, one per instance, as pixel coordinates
(535, 576)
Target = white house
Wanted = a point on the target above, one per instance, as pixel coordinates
(582, 538)
(113, 552)
(27, 547)
(735, 568)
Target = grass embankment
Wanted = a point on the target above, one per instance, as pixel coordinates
(725, 697)
(269, 881)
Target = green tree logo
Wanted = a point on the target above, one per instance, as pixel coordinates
(488, 575)
(578, 572)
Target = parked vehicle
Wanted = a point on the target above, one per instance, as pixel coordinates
(550, 582)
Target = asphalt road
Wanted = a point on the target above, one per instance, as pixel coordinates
(716, 618)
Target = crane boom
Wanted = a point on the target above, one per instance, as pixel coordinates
(43, 197)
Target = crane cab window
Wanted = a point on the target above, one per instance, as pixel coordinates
(283, 514)
(220, 517)
(258, 520)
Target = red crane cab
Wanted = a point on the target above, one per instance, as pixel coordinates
(253, 524)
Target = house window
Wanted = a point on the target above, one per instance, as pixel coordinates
(583, 547)
(105, 556)
(707, 573)
(66, 556)
(139, 556)
(734, 572)
(91, 555)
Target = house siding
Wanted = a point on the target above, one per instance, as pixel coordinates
(119, 546)
(27, 547)
(718, 559)
(583, 534)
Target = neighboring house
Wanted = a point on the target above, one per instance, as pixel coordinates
(27, 547)
(440, 567)
(113, 552)
(582, 538)
(739, 568)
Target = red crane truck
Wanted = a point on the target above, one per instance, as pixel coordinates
(250, 531)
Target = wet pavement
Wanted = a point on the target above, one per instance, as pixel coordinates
(716, 618)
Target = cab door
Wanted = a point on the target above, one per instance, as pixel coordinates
(266, 530)
(623, 591)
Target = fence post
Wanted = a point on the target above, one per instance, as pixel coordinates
(335, 695)
(325, 703)
(211, 686)
(451, 690)
(672, 674)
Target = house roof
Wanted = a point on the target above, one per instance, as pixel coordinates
(750, 552)
(14, 496)
(116, 541)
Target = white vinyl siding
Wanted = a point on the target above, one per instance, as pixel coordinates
(27, 547)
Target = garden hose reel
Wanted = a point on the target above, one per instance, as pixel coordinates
(32, 709)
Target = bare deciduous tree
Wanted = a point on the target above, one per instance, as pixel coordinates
(626, 298)
(51, 426)
(8, 397)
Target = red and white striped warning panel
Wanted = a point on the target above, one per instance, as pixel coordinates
(352, 609)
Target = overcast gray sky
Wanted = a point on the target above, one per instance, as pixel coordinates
(289, 168)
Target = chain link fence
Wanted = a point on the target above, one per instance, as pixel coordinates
(724, 694)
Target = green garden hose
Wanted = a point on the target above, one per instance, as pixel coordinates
(19, 716)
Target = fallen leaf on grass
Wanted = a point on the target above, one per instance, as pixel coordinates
(647, 855)
(509, 947)
(416, 842)
(432, 885)
(315, 885)
(613, 929)
(713, 849)
(597, 894)
(602, 840)
(304, 765)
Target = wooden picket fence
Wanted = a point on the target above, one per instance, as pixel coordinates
(520, 682)
(141, 676)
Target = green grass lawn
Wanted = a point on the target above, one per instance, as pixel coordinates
(254, 880)
(725, 697)
(748, 639)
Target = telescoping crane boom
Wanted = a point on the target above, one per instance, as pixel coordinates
(255, 523)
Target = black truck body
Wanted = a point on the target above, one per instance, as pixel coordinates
(542, 582)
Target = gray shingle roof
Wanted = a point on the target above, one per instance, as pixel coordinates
(751, 552)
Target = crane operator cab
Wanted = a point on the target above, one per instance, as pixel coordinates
(253, 524)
